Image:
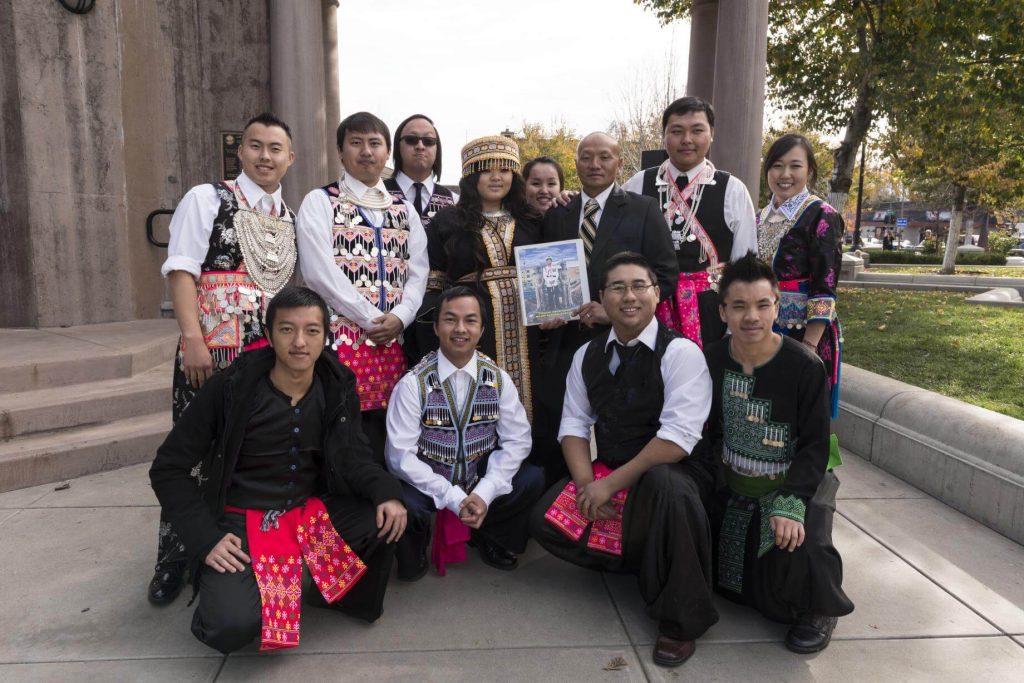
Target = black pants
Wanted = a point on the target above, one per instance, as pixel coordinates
(666, 539)
(506, 523)
(375, 426)
(228, 615)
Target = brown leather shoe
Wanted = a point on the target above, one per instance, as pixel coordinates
(672, 652)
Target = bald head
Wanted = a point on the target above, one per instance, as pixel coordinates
(598, 162)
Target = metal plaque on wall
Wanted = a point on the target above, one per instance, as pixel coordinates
(229, 144)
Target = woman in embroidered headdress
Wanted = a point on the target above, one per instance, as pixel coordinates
(800, 235)
(472, 244)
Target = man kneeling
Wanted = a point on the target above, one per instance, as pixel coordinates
(640, 507)
(268, 470)
(770, 426)
(457, 438)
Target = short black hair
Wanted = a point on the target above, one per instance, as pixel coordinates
(749, 269)
(782, 146)
(628, 258)
(269, 119)
(685, 105)
(545, 159)
(436, 168)
(458, 292)
(363, 122)
(294, 297)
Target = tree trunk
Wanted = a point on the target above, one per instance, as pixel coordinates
(953, 238)
(844, 157)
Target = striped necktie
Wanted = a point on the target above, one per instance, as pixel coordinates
(588, 228)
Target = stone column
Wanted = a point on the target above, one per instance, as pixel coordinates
(700, 78)
(332, 104)
(740, 67)
(297, 90)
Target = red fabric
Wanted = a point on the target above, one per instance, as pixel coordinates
(605, 534)
(277, 554)
(450, 536)
(679, 312)
(377, 370)
(258, 344)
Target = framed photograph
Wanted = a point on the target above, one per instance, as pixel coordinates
(552, 280)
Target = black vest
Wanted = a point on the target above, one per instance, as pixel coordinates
(710, 213)
(434, 203)
(628, 404)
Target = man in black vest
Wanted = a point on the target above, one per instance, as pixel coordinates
(709, 215)
(417, 160)
(608, 220)
(640, 507)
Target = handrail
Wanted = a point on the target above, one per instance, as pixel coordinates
(149, 227)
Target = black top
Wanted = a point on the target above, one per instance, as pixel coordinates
(710, 214)
(627, 404)
(280, 459)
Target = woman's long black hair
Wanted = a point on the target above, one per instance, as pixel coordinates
(471, 216)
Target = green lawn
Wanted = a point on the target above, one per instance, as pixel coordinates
(937, 341)
(988, 271)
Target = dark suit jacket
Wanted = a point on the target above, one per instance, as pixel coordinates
(629, 222)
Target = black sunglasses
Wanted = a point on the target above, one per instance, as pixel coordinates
(413, 140)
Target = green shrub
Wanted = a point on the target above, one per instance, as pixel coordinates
(879, 256)
(1001, 242)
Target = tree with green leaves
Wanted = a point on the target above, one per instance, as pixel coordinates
(844, 64)
(558, 141)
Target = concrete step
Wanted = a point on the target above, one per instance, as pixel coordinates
(55, 456)
(61, 408)
(32, 359)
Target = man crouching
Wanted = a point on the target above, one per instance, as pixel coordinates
(268, 471)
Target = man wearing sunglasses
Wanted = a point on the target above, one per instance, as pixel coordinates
(417, 159)
(639, 508)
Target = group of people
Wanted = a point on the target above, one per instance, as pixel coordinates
(394, 408)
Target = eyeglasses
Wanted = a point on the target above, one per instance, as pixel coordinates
(413, 140)
(619, 289)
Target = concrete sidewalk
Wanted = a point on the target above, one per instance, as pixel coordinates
(939, 598)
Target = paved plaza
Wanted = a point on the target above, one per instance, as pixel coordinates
(939, 598)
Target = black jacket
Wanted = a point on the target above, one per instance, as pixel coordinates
(195, 463)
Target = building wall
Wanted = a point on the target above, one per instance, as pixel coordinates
(107, 116)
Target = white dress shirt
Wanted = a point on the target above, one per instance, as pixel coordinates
(192, 222)
(687, 391)
(601, 199)
(738, 209)
(406, 183)
(404, 424)
(314, 231)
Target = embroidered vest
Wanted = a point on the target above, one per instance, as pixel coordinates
(628, 404)
(754, 445)
(454, 438)
(231, 305)
(710, 213)
(441, 198)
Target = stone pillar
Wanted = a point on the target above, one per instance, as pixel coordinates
(297, 90)
(740, 66)
(700, 78)
(332, 102)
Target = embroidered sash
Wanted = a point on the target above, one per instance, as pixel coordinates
(450, 537)
(680, 312)
(680, 212)
(605, 534)
(278, 544)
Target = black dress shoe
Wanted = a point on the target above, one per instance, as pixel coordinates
(415, 572)
(167, 582)
(672, 652)
(811, 633)
(496, 556)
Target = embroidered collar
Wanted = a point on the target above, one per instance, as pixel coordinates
(789, 207)
(659, 180)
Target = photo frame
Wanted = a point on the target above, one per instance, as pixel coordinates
(552, 280)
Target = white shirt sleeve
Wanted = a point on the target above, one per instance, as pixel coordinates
(403, 423)
(419, 267)
(687, 394)
(190, 228)
(514, 443)
(635, 184)
(577, 414)
(314, 227)
(739, 216)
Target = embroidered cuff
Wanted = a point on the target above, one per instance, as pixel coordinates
(791, 507)
(435, 279)
(821, 308)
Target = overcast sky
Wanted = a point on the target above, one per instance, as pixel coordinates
(478, 66)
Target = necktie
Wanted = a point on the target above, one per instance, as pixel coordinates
(682, 181)
(267, 205)
(626, 355)
(588, 228)
(418, 202)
